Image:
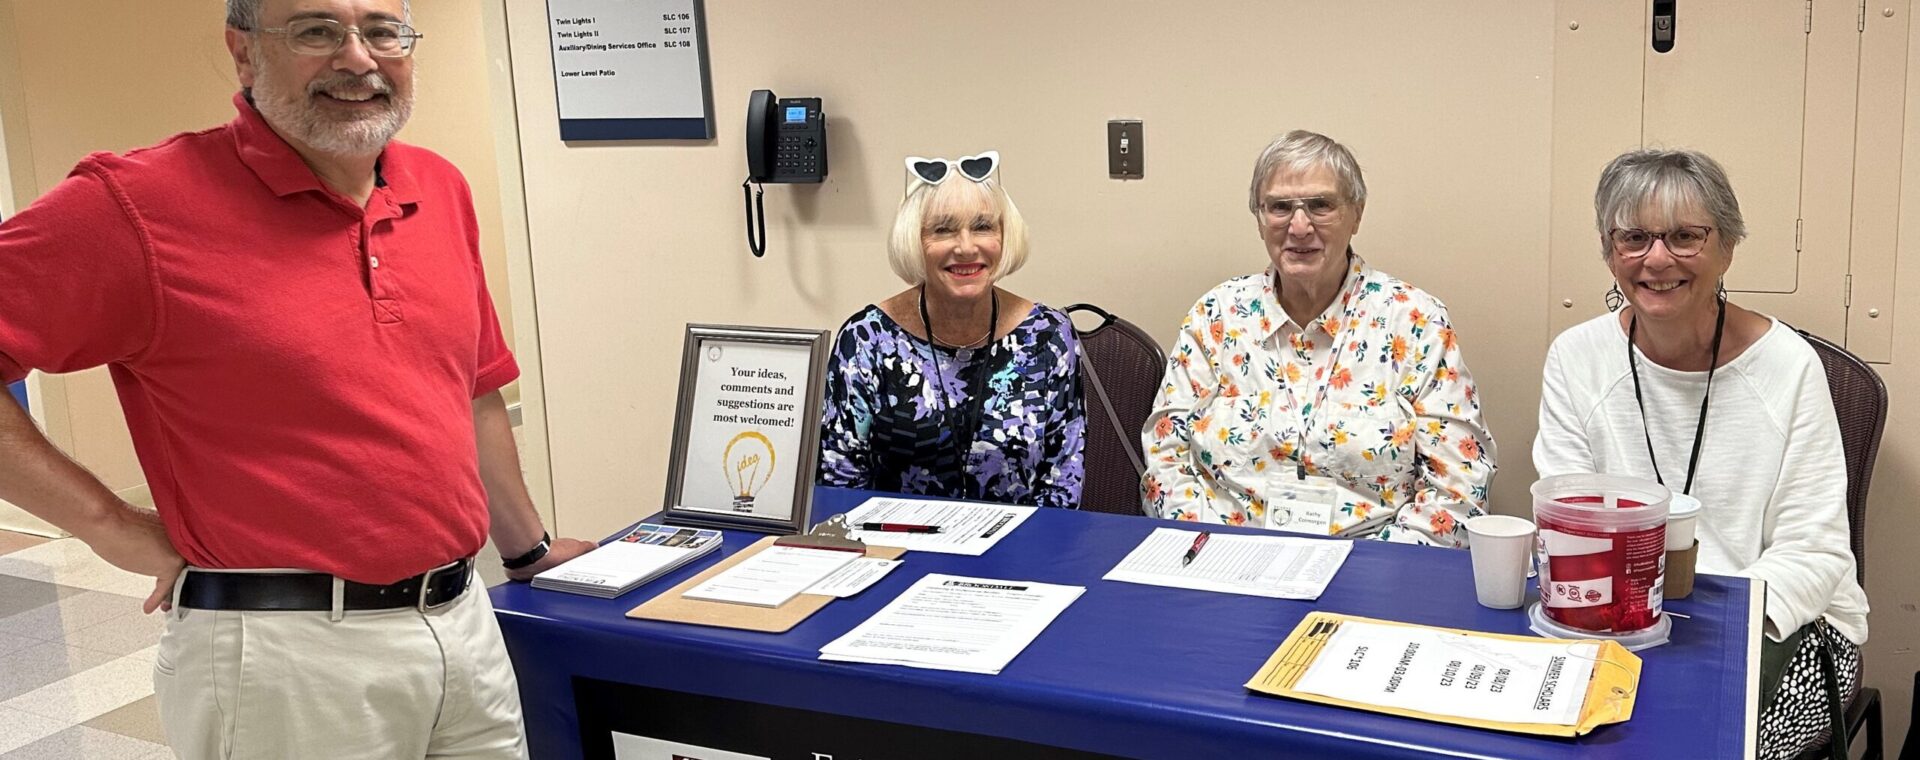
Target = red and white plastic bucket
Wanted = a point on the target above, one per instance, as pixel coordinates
(1602, 551)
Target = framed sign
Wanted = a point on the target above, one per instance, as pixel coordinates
(631, 69)
(746, 430)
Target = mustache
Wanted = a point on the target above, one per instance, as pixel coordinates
(372, 81)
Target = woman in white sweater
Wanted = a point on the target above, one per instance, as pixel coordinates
(1720, 402)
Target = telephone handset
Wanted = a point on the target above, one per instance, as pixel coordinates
(786, 144)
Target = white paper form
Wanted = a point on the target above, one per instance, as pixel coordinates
(1450, 674)
(1277, 567)
(965, 528)
(771, 577)
(949, 622)
(855, 577)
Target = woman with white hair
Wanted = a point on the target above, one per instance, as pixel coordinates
(1320, 395)
(956, 387)
(1635, 393)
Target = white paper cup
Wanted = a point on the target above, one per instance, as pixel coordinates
(1501, 546)
(1683, 512)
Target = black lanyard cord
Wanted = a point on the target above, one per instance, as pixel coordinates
(964, 431)
(1700, 430)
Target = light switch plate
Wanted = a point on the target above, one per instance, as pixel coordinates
(1126, 149)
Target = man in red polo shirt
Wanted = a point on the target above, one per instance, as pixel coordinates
(293, 311)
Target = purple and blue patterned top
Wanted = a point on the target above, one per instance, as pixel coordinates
(1002, 423)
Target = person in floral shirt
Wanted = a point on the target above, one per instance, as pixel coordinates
(1322, 391)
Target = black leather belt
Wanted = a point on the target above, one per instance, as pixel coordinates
(313, 592)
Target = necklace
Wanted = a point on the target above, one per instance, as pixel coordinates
(992, 321)
(1700, 430)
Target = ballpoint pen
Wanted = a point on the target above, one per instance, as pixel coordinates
(899, 527)
(1194, 551)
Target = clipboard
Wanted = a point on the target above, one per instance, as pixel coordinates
(670, 606)
(1609, 698)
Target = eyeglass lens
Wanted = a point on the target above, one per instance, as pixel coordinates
(325, 36)
(1318, 208)
(1685, 240)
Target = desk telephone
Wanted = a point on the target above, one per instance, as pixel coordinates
(786, 144)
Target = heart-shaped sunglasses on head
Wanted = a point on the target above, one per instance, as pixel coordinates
(934, 171)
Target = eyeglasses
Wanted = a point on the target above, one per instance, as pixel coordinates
(324, 36)
(1682, 242)
(934, 171)
(1320, 209)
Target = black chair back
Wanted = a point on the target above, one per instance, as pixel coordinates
(1860, 401)
(1120, 371)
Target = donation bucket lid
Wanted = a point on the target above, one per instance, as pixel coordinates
(1600, 501)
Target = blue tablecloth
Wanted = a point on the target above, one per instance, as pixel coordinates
(1127, 670)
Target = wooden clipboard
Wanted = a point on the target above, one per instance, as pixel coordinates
(670, 606)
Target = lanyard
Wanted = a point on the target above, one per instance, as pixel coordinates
(963, 433)
(1319, 400)
(1700, 430)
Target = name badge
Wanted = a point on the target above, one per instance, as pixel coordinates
(1302, 504)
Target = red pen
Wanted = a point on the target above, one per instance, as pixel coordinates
(1198, 541)
(900, 527)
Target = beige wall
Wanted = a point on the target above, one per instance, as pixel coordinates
(632, 241)
(1451, 108)
(118, 74)
(1893, 545)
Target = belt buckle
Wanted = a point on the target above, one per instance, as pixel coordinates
(426, 585)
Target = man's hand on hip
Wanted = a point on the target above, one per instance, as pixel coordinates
(133, 539)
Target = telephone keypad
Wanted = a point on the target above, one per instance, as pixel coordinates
(795, 154)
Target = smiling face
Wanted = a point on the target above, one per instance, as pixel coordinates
(1662, 286)
(961, 242)
(1302, 249)
(347, 103)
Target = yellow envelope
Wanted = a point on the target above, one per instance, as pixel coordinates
(1609, 699)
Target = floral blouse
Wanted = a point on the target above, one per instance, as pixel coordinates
(1398, 428)
(1002, 423)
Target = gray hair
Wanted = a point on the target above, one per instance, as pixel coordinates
(1301, 150)
(1654, 186)
(245, 14)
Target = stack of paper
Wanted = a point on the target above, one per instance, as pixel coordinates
(1445, 673)
(947, 622)
(647, 552)
(963, 528)
(1277, 567)
(774, 575)
(854, 578)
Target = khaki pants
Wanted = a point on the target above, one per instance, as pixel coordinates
(396, 684)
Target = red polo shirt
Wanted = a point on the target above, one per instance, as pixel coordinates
(297, 371)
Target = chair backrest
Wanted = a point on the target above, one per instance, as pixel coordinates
(1860, 401)
(1120, 370)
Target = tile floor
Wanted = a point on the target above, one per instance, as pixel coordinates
(76, 654)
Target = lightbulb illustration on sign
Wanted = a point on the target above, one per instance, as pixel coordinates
(748, 461)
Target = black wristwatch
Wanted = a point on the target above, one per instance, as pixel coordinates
(537, 553)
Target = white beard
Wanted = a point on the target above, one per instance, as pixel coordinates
(298, 116)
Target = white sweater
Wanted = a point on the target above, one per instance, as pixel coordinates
(1773, 476)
